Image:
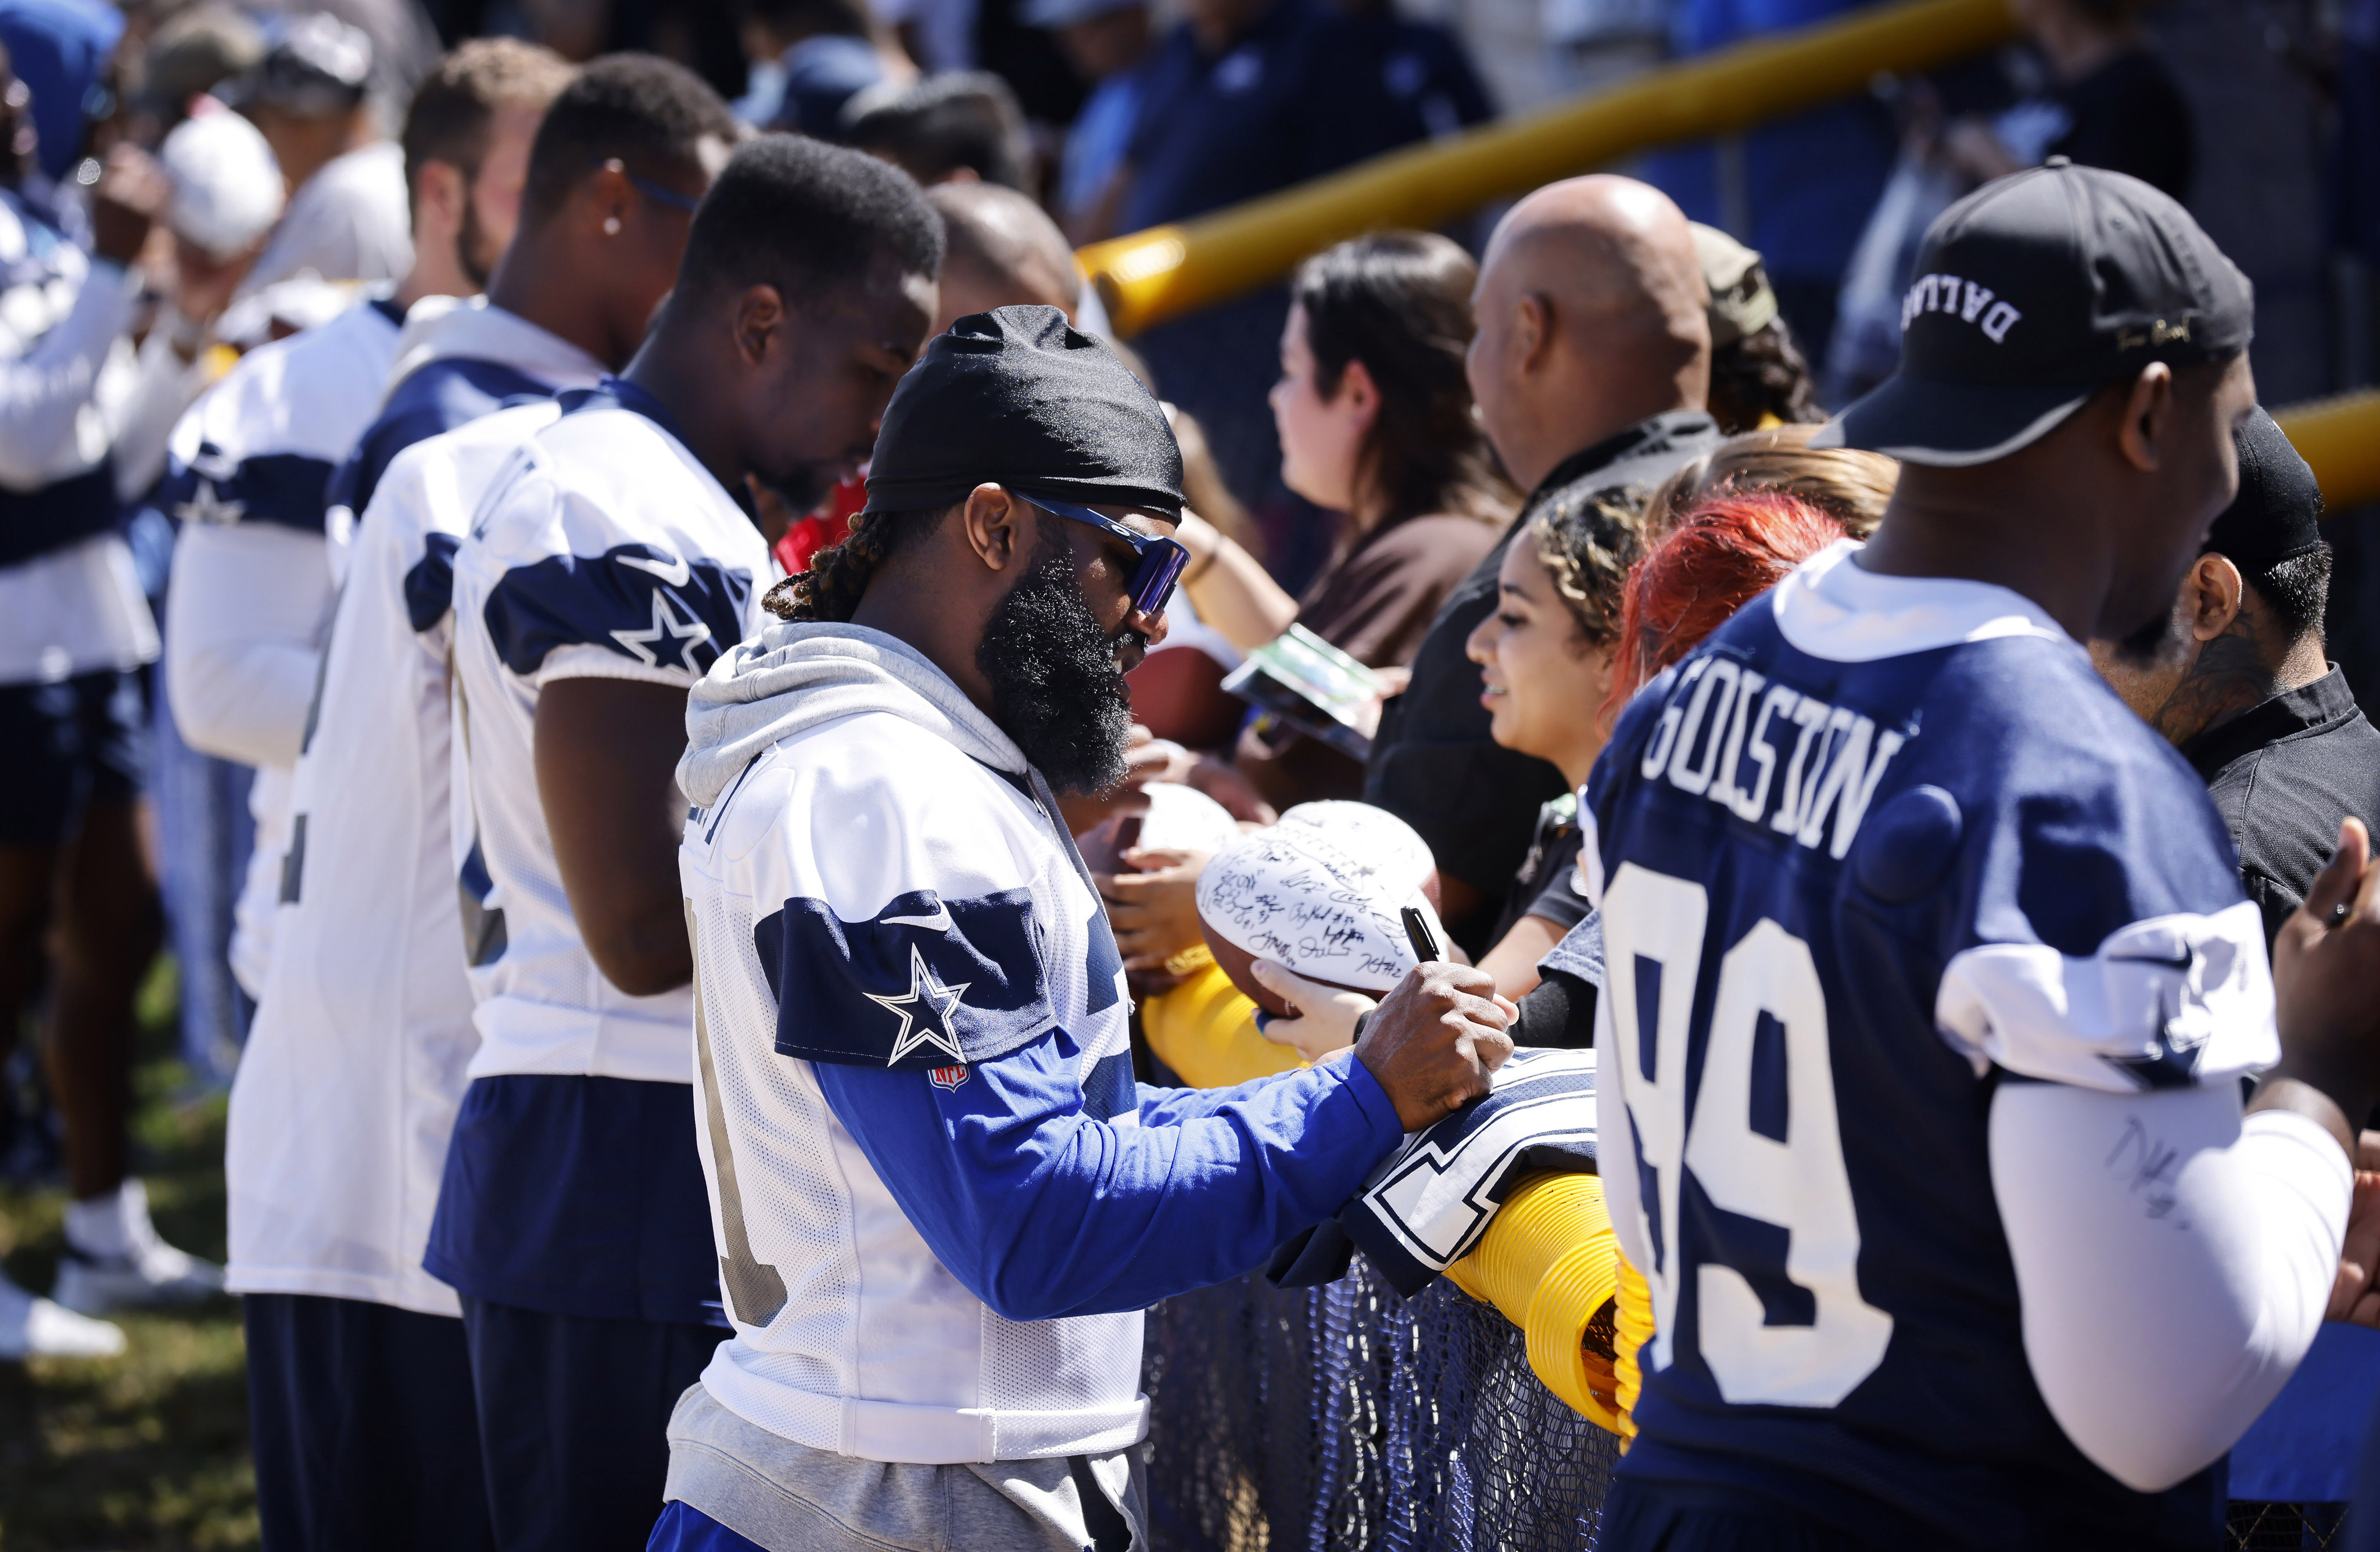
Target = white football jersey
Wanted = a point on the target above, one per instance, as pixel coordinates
(605, 551)
(347, 1091)
(871, 892)
(73, 606)
(246, 469)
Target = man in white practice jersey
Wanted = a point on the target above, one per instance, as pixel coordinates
(942, 1202)
(249, 463)
(610, 566)
(359, 1382)
(77, 894)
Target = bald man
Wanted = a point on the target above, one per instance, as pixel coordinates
(1000, 249)
(1590, 367)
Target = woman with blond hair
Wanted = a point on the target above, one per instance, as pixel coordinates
(1846, 484)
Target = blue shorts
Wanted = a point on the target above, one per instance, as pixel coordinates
(681, 1529)
(579, 1196)
(364, 1432)
(573, 1418)
(71, 744)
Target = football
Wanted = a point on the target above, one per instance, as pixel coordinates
(1320, 893)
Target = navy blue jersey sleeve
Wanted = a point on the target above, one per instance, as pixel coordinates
(283, 488)
(430, 585)
(924, 983)
(1043, 1212)
(637, 601)
(436, 397)
(352, 484)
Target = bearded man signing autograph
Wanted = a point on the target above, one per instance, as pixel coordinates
(942, 1201)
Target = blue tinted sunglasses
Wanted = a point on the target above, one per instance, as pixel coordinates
(1162, 560)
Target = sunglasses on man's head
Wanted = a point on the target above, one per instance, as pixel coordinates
(1162, 559)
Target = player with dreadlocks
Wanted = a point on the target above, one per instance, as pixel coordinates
(942, 1202)
(830, 589)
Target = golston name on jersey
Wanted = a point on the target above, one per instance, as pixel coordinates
(1770, 752)
(1881, 845)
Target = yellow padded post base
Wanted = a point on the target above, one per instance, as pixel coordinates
(1548, 1262)
(1205, 1029)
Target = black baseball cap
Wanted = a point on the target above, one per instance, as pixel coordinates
(2031, 294)
(2278, 515)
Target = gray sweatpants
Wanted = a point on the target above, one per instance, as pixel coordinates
(793, 1498)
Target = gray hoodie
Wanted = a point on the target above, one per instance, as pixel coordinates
(793, 677)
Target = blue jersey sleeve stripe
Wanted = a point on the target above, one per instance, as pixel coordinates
(925, 983)
(354, 482)
(436, 397)
(283, 488)
(641, 602)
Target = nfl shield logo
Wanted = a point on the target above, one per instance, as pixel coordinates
(948, 1077)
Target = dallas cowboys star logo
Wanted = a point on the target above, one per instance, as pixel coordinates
(2171, 1061)
(640, 643)
(205, 506)
(925, 1014)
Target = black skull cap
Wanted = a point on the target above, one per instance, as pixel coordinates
(1021, 399)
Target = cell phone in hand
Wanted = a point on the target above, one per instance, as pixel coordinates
(1425, 942)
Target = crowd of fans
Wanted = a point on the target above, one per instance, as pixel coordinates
(379, 720)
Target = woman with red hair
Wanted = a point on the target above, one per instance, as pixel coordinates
(1727, 551)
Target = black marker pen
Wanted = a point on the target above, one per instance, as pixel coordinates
(1424, 941)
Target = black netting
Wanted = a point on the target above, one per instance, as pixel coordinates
(1349, 1418)
(2282, 1527)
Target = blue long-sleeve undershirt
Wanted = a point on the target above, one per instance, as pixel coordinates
(1041, 1211)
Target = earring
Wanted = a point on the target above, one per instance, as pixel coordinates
(611, 226)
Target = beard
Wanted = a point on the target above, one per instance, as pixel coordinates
(473, 253)
(1055, 686)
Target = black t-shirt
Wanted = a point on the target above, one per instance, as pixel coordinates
(1544, 883)
(1433, 763)
(2282, 775)
(2129, 116)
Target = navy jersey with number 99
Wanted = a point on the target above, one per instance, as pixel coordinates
(1878, 845)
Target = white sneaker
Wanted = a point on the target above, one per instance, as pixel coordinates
(144, 1272)
(154, 1276)
(34, 1328)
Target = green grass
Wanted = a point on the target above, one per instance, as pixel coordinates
(146, 1452)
